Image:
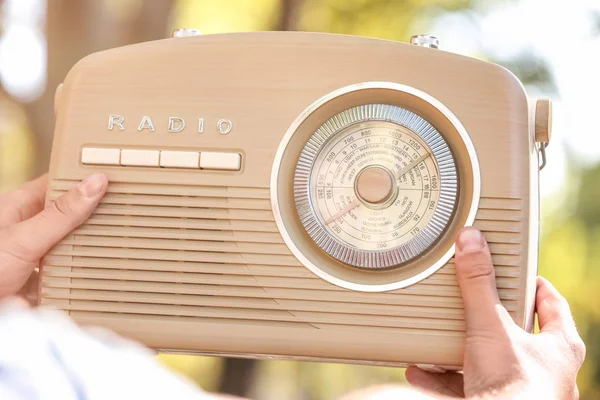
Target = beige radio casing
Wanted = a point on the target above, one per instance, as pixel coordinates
(190, 260)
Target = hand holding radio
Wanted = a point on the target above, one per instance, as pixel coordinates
(502, 361)
(28, 231)
(499, 356)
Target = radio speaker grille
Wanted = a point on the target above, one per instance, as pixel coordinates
(215, 253)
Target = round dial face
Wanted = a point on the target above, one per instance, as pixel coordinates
(376, 186)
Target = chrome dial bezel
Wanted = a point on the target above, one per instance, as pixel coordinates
(282, 196)
(435, 226)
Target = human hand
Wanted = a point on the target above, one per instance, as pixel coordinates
(28, 231)
(501, 360)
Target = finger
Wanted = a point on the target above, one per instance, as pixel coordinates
(449, 384)
(554, 317)
(24, 202)
(477, 281)
(29, 291)
(552, 308)
(32, 239)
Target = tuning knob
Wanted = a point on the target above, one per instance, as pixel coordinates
(543, 120)
(425, 41)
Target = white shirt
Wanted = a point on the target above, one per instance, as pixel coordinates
(44, 355)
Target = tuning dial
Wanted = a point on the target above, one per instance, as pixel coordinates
(543, 120)
(425, 41)
(185, 32)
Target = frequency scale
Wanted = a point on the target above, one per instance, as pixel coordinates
(372, 193)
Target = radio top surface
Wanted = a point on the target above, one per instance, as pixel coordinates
(293, 194)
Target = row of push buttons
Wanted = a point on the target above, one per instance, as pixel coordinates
(162, 158)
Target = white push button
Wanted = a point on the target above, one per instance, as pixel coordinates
(180, 159)
(99, 156)
(223, 161)
(140, 158)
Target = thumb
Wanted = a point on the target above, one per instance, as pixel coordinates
(476, 278)
(554, 313)
(555, 318)
(32, 239)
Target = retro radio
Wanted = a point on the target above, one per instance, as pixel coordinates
(294, 195)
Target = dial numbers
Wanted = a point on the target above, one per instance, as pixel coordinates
(391, 148)
(375, 186)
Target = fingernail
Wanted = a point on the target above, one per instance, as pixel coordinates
(92, 185)
(470, 239)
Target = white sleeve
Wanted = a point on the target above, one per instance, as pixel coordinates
(44, 355)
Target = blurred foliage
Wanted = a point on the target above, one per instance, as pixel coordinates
(570, 233)
(532, 70)
(570, 258)
(386, 19)
(16, 145)
(227, 16)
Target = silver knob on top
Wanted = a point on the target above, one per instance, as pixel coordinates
(185, 32)
(425, 41)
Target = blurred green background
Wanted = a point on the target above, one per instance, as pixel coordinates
(553, 47)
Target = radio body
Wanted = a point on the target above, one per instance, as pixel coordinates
(293, 195)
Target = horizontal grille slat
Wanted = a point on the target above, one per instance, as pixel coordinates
(499, 215)
(297, 316)
(447, 272)
(356, 329)
(268, 293)
(200, 272)
(178, 233)
(494, 203)
(245, 244)
(196, 213)
(174, 244)
(181, 223)
(497, 226)
(426, 288)
(210, 268)
(233, 235)
(106, 223)
(172, 190)
(93, 316)
(502, 237)
(258, 303)
(173, 255)
(181, 201)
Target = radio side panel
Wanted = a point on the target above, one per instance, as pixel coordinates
(191, 260)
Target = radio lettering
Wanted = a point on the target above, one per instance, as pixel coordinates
(174, 124)
(146, 123)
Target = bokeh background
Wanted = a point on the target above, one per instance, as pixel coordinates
(552, 46)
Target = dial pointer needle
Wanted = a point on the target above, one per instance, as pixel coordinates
(412, 165)
(343, 211)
